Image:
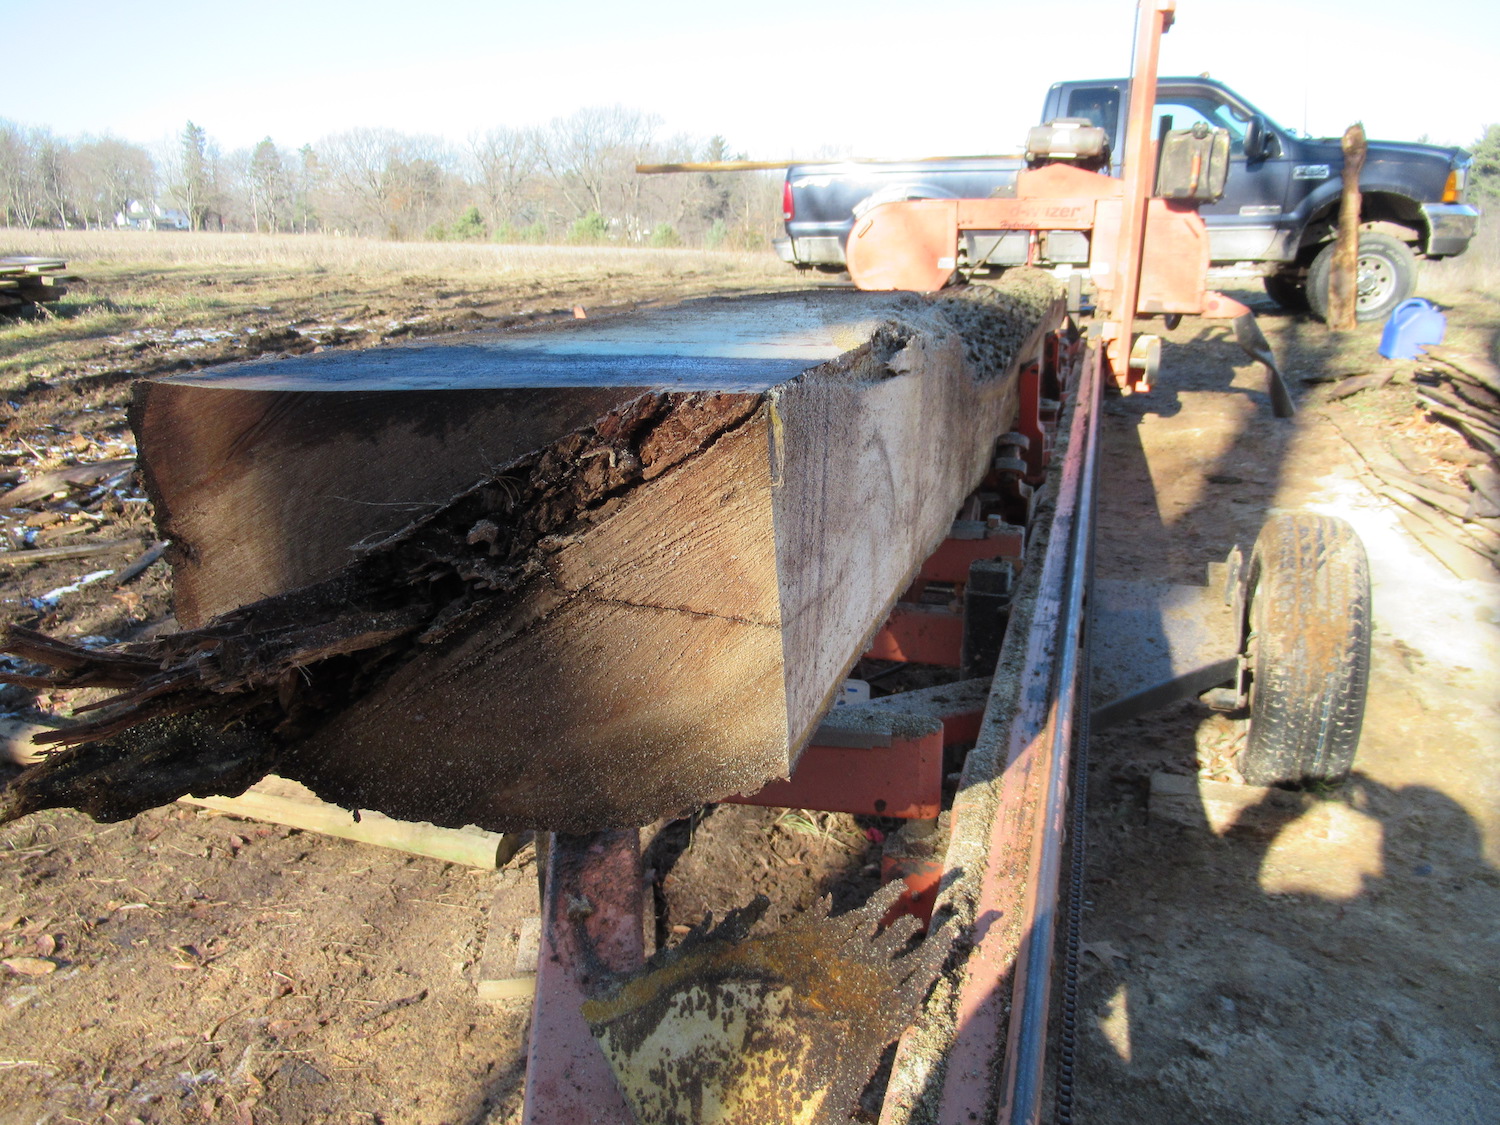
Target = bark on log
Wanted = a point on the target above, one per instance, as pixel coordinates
(1343, 278)
(687, 526)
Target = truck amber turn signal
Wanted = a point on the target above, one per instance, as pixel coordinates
(1452, 190)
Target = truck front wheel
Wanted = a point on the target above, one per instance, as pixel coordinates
(1287, 290)
(1386, 275)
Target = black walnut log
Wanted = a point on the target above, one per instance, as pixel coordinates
(564, 579)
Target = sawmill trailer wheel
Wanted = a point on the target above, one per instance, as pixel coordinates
(1306, 652)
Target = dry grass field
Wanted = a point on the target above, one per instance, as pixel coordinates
(223, 287)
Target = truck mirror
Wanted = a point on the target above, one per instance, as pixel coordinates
(1256, 145)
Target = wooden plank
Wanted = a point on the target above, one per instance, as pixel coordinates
(278, 800)
(27, 263)
(53, 554)
(512, 943)
(1221, 808)
(1481, 370)
(689, 524)
(59, 480)
(17, 735)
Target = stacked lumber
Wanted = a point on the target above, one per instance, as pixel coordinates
(1456, 520)
(568, 578)
(28, 281)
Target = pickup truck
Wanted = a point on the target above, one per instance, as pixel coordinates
(1276, 218)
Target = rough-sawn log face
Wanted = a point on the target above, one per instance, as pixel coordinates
(638, 615)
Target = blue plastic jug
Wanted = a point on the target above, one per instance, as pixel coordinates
(1412, 324)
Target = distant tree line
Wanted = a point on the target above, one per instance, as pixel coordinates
(572, 180)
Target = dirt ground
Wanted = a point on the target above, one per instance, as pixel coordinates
(1342, 969)
(189, 966)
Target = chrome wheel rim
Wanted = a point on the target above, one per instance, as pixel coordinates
(1375, 281)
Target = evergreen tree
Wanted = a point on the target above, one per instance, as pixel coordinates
(193, 186)
(1484, 174)
(268, 187)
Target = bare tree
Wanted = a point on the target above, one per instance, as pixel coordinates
(49, 169)
(591, 156)
(306, 180)
(385, 182)
(578, 172)
(21, 201)
(105, 175)
(356, 162)
(505, 164)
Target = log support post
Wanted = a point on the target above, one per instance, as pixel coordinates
(1343, 282)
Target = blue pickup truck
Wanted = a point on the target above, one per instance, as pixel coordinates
(1276, 218)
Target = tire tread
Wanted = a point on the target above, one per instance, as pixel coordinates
(1310, 609)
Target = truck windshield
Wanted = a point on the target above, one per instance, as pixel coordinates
(1098, 105)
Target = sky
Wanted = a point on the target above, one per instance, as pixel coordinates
(877, 78)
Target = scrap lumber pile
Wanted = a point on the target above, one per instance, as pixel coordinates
(566, 578)
(26, 282)
(71, 499)
(1456, 520)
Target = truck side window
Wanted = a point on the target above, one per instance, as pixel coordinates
(1185, 115)
(1099, 105)
(1186, 112)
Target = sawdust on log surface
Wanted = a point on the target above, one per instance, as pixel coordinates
(210, 969)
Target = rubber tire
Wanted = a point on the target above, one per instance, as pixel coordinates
(1287, 291)
(1308, 596)
(1385, 264)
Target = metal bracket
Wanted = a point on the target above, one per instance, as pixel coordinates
(1155, 643)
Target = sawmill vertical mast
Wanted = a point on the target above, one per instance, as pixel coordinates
(1133, 362)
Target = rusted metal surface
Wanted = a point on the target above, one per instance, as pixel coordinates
(1026, 1046)
(921, 634)
(893, 774)
(1013, 897)
(591, 931)
(1153, 18)
(742, 1029)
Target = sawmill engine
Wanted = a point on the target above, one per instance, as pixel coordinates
(1068, 140)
